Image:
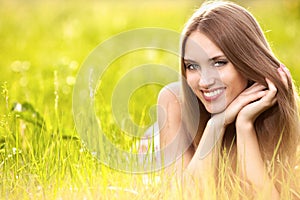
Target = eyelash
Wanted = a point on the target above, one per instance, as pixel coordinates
(192, 66)
(219, 63)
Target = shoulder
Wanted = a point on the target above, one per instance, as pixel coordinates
(169, 106)
(171, 127)
(170, 93)
(169, 101)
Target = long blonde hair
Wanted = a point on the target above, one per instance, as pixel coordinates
(236, 32)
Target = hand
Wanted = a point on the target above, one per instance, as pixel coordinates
(252, 110)
(251, 94)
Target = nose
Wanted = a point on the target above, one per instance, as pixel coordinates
(207, 78)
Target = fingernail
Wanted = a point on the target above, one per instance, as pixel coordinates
(280, 69)
(282, 65)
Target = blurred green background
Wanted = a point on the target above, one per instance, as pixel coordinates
(40, 37)
(43, 43)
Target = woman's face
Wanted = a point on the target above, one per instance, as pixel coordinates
(211, 76)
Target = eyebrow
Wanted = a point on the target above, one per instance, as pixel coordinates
(216, 57)
(210, 59)
(189, 60)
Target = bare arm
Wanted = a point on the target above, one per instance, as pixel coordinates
(251, 162)
(249, 155)
(195, 164)
(200, 164)
(245, 108)
(172, 136)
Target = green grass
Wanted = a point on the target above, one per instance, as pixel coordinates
(43, 44)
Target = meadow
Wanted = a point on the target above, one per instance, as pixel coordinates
(43, 45)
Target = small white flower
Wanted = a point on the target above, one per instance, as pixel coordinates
(39, 188)
(70, 80)
(14, 150)
(18, 107)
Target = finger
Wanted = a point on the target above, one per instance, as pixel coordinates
(254, 88)
(274, 101)
(246, 99)
(257, 86)
(267, 103)
(286, 70)
(240, 102)
(271, 86)
(271, 94)
(283, 77)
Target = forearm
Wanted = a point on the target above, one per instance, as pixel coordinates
(250, 159)
(205, 158)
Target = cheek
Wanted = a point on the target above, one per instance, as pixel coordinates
(235, 84)
(234, 80)
(241, 83)
(192, 79)
(236, 91)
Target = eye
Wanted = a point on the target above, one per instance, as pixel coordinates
(220, 63)
(192, 66)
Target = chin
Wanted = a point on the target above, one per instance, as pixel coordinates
(215, 109)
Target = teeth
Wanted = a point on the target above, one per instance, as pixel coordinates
(213, 93)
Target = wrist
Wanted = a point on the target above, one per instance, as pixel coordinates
(244, 126)
(216, 125)
(218, 121)
(212, 137)
(243, 122)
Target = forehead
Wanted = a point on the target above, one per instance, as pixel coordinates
(199, 46)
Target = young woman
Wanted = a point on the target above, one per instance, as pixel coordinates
(246, 103)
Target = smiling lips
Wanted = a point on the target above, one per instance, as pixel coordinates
(211, 95)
